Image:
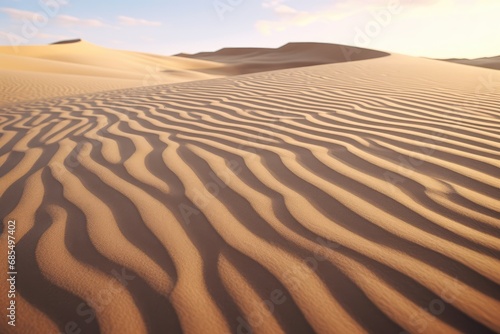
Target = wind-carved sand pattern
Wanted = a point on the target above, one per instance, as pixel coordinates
(344, 198)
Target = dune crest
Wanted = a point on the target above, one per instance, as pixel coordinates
(68, 41)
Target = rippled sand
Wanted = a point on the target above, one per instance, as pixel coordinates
(344, 198)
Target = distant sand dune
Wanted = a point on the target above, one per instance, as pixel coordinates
(291, 55)
(488, 62)
(345, 198)
(79, 67)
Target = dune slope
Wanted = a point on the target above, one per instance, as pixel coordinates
(344, 198)
(76, 67)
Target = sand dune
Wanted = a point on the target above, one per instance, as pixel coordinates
(291, 55)
(78, 67)
(487, 62)
(342, 198)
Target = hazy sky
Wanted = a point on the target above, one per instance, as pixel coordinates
(431, 28)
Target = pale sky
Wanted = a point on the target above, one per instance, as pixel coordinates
(429, 28)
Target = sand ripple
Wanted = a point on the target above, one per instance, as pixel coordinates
(345, 198)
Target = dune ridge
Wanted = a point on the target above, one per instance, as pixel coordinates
(353, 197)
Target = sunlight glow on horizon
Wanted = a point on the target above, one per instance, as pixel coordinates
(429, 28)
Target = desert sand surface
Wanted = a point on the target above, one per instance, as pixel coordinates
(78, 67)
(487, 62)
(355, 197)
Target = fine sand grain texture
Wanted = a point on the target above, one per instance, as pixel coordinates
(345, 198)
